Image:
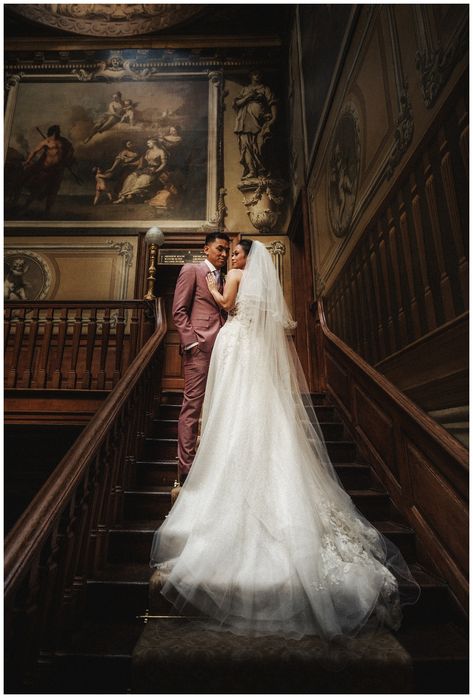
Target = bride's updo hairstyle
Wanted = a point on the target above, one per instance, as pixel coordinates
(246, 245)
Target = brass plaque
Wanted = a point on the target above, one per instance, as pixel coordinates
(179, 257)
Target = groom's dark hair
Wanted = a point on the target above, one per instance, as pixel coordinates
(210, 237)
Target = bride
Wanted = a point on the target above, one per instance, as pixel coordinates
(262, 538)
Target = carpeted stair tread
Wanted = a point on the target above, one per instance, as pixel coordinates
(176, 655)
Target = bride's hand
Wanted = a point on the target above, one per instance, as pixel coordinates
(211, 282)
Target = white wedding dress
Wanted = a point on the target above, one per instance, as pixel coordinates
(262, 538)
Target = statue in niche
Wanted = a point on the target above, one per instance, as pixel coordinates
(256, 109)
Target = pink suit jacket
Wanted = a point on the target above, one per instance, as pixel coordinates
(197, 316)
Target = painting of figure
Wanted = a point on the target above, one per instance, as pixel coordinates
(94, 152)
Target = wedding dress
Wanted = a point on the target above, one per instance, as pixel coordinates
(263, 538)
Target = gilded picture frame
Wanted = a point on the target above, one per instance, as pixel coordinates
(133, 148)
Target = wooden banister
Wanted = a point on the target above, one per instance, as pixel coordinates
(72, 344)
(423, 467)
(62, 536)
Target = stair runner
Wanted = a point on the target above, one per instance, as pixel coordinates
(114, 653)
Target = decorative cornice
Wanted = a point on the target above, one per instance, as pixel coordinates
(402, 135)
(435, 66)
(124, 249)
(135, 64)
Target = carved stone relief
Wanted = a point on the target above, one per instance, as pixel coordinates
(344, 171)
(114, 19)
(28, 276)
(433, 61)
(256, 110)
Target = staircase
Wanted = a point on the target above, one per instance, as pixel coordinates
(97, 658)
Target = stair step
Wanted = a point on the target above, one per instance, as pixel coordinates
(174, 397)
(354, 476)
(171, 397)
(167, 428)
(132, 542)
(166, 448)
(119, 593)
(96, 659)
(376, 506)
(156, 504)
(145, 503)
(169, 411)
(162, 472)
(253, 665)
(150, 473)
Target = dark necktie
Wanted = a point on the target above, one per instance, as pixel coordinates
(219, 280)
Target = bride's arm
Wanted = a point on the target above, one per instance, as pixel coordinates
(227, 301)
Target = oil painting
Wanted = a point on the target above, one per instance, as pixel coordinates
(109, 152)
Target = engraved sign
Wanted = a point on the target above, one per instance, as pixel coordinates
(179, 257)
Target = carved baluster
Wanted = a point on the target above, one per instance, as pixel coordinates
(369, 311)
(134, 327)
(99, 468)
(45, 349)
(90, 346)
(383, 276)
(75, 346)
(22, 622)
(7, 316)
(31, 349)
(61, 342)
(395, 268)
(101, 378)
(408, 265)
(457, 220)
(359, 316)
(119, 337)
(428, 300)
(19, 324)
(445, 307)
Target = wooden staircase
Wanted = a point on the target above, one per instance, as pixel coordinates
(97, 658)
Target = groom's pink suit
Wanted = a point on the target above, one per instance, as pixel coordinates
(198, 319)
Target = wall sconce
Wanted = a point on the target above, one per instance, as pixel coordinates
(154, 238)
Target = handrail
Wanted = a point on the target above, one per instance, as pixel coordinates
(36, 521)
(423, 467)
(411, 410)
(131, 303)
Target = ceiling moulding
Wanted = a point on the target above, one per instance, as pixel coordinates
(141, 42)
(108, 20)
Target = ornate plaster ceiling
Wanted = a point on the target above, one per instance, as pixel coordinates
(108, 19)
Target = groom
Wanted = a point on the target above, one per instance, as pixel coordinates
(198, 320)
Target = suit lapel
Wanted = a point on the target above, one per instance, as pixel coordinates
(203, 268)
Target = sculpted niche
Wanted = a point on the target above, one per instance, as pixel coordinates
(256, 113)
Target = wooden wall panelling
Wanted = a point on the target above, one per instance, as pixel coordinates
(424, 469)
(376, 428)
(435, 497)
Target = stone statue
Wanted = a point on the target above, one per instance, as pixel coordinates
(256, 108)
